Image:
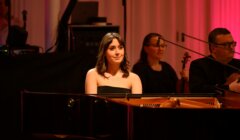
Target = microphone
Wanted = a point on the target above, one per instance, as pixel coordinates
(183, 37)
(192, 37)
(24, 16)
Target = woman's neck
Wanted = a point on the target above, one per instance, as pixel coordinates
(113, 70)
(154, 64)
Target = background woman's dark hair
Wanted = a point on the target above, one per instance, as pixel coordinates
(146, 42)
(101, 60)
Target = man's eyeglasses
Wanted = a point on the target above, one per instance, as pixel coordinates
(227, 44)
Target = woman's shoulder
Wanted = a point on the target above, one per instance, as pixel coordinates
(133, 75)
(136, 83)
(92, 71)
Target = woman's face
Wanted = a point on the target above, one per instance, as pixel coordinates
(155, 50)
(115, 52)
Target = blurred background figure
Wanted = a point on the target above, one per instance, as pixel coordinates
(157, 76)
(5, 16)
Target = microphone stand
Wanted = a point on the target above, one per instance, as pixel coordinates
(124, 3)
(61, 43)
(183, 35)
(192, 37)
(184, 47)
(9, 14)
(24, 16)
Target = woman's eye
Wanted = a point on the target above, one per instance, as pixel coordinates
(111, 48)
(121, 47)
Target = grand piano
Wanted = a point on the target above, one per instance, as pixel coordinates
(128, 116)
(60, 110)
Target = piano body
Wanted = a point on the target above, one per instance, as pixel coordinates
(52, 115)
(127, 117)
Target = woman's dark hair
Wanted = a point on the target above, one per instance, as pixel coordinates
(146, 42)
(102, 63)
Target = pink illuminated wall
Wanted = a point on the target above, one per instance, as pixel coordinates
(226, 13)
(196, 25)
(167, 17)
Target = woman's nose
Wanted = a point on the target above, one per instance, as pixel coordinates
(117, 51)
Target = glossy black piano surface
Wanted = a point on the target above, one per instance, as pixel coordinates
(101, 117)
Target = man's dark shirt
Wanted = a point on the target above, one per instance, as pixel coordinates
(208, 76)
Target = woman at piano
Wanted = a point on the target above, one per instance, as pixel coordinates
(111, 73)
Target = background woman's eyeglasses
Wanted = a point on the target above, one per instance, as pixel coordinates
(157, 46)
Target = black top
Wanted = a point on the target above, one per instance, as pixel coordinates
(156, 82)
(109, 89)
(207, 75)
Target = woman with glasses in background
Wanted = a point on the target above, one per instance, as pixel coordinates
(157, 76)
(219, 71)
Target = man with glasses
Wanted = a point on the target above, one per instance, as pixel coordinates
(218, 72)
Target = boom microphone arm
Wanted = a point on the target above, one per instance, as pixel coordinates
(192, 37)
